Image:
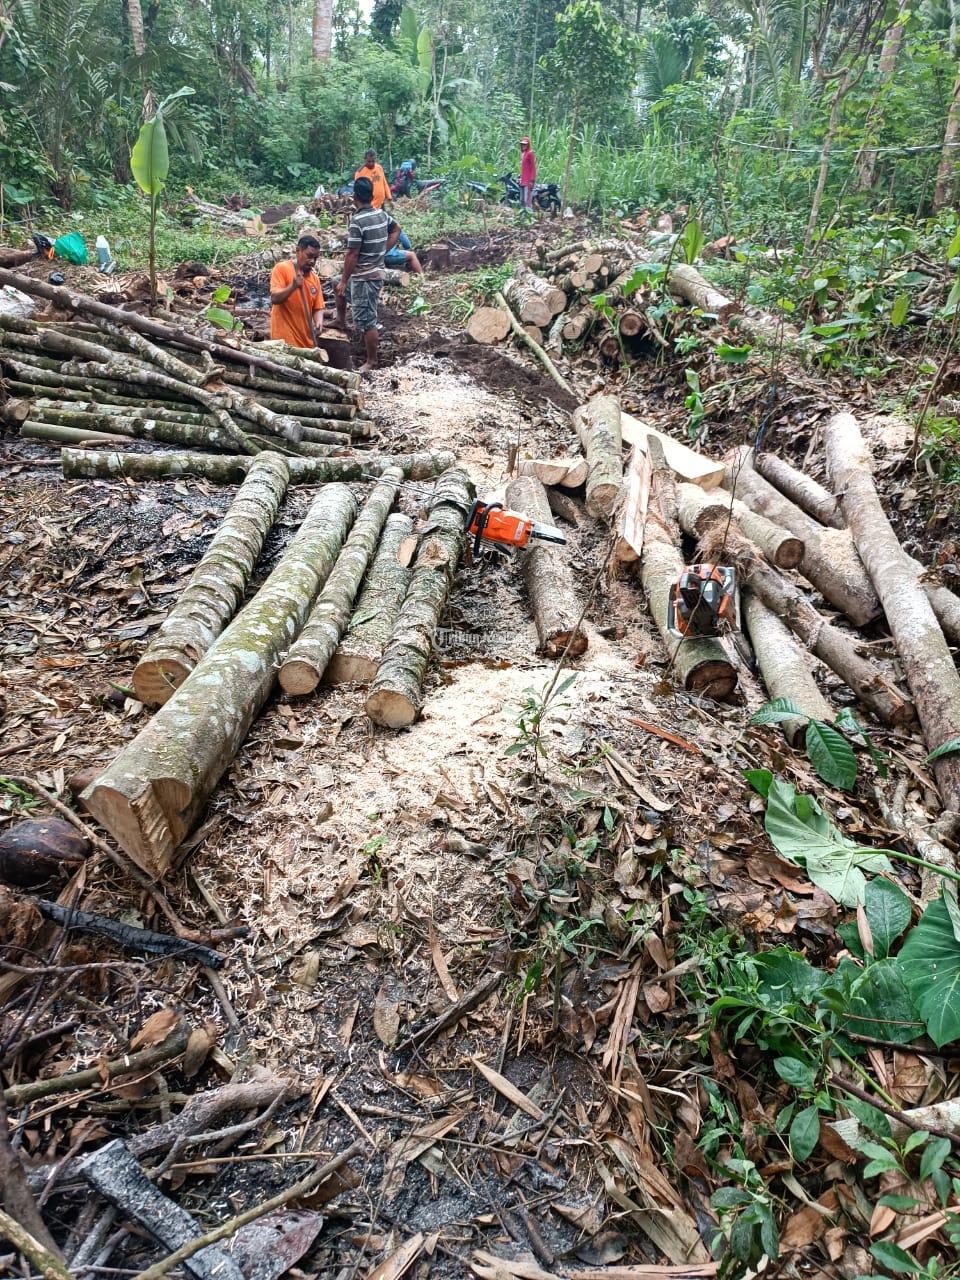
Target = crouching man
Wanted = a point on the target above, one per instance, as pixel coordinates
(369, 237)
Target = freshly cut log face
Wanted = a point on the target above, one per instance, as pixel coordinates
(360, 651)
(488, 325)
(396, 695)
(598, 425)
(568, 472)
(307, 660)
(216, 586)
(153, 792)
(547, 576)
(785, 667)
(527, 303)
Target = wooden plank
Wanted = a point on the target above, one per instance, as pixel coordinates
(686, 462)
(634, 514)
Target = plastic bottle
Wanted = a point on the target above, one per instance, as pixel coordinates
(104, 257)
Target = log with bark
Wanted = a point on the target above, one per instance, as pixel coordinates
(73, 426)
(535, 347)
(217, 585)
(801, 489)
(307, 659)
(488, 325)
(42, 408)
(699, 509)
(785, 667)
(396, 694)
(835, 647)
(927, 662)
(50, 433)
(227, 469)
(571, 473)
(149, 797)
(297, 408)
(598, 425)
(526, 302)
(702, 665)
(554, 299)
(360, 652)
(689, 284)
(830, 560)
(547, 576)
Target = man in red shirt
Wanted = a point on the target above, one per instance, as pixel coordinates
(528, 172)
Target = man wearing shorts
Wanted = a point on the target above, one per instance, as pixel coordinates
(371, 234)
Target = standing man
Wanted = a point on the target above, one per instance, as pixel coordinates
(296, 296)
(528, 172)
(374, 172)
(370, 235)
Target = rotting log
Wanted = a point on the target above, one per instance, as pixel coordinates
(801, 489)
(928, 665)
(230, 469)
(149, 797)
(217, 585)
(835, 647)
(699, 509)
(702, 665)
(830, 561)
(488, 325)
(307, 659)
(598, 425)
(396, 693)
(785, 667)
(571, 473)
(359, 653)
(689, 284)
(547, 576)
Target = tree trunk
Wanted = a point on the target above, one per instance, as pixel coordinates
(396, 694)
(598, 424)
(785, 668)
(699, 509)
(702, 665)
(809, 496)
(830, 559)
(833, 124)
(309, 655)
(527, 304)
(691, 286)
(153, 792)
(186, 434)
(488, 325)
(554, 299)
(947, 169)
(217, 585)
(887, 66)
(79, 464)
(547, 576)
(312, 408)
(322, 35)
(927, 661)
(360, 652)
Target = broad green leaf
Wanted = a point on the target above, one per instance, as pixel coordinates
(805, 1133)
(873, 1121)
(881, 1006)
(933, 1157)
(831, 755)
(894, 1258)
(150, 157)
(953, 249)
(802, 833)
(914, 1140)
(898, 312)
(802, 1075)
(775, 711)
(949, 748)
(760, 779)
(732, 355)
(902, 1204)
(222, 319)
(888, 914)
(785, 976)
(846, 720)
(221, 294)
(930, 963)
(730, 1197)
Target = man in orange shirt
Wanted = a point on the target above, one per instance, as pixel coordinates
(370, 169)
(296, 296)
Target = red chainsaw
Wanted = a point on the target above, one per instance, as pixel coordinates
(496, 531)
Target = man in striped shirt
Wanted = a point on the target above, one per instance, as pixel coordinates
(370, 234)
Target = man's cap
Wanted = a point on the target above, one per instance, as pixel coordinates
(524, 142)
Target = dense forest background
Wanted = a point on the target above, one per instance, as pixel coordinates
(781, 114)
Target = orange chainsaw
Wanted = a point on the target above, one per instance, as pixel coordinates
(496, 531)
(703, 602)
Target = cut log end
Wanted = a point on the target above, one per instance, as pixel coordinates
(298, 677)
(157, 679)
(556, 644)
(391, 709)
(351, 668)
(712, 678)
(488, 325)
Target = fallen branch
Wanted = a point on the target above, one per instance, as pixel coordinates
(699, 509)
(451, 1015)
(47, 1263)
(785, 668)
(916, 1120)
(203, 1108)
(809, 496)
(535, 347)
(547, 576)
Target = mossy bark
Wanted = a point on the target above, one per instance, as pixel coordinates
(162, 430)
(217, 585)
(396, 695)
(149, 797)
(308, 657)
(230, 469)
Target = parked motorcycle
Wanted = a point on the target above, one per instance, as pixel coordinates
(546, 195)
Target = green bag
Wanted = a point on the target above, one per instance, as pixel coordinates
(72, 248)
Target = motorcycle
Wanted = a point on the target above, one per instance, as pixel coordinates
(546, 195)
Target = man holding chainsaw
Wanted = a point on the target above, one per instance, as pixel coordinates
(296, 297)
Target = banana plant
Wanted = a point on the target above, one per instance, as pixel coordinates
(150, 164)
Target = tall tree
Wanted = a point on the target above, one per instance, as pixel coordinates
(322, 42)
(889, 53)
(947, 169)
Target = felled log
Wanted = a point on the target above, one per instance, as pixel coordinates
(554, 299)
(578, 324)
(296, 408)
(488, 325)
(396, 694)
(698, 510)
(690, 285)
(16, 257)
(833, 646)
(830, 560)
(359, 653)
(568, 472)
(48, 432)
(74, 426)
(547, 576)
(225, 469)
(149, 797)
(802, 489)
(685, 462)
(633, 515)
(43, 408)
(630, 323)
(527, 303)
(217, 585)
(598, 424)
(785, 667)
(39, 849)
(307, 659)
(927, 662)
(702, 665)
